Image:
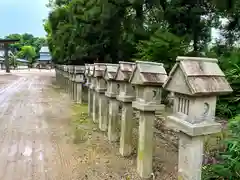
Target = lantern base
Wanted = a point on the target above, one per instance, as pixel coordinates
(200, 129)
(125, 98)
(110, 94)
(148, 107)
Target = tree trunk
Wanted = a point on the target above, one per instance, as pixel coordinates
(6, 59)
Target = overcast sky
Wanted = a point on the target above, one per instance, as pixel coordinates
(22, 16)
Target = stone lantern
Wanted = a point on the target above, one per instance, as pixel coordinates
(126, 96)
(78, 83)
(148, 78)
(58, 70)
(98, 96)
(65, 76)
(58, 73)
(111, 92)
(196, 82)
(71, 79)
(90, 88)
(87, 84)
(68, 78)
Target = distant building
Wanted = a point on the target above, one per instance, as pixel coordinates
(45, 59)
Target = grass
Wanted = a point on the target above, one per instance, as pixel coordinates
(81, 123)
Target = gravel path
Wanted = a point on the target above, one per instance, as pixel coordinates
(30, 147)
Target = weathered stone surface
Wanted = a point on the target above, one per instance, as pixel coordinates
(195, 82)
(196, 77)
(113, 124)
(126, 130)
(148, 78)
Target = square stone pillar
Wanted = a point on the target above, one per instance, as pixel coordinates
(68, 80)
(90, 85)
(111, 117)
(95, 107)
(113, 124)
(61, 76)
(147, 77)
(71, 79)
(65, 77)
(126, 96)
(99, 96)
(195, 82)
(79, 81)
(57, 73)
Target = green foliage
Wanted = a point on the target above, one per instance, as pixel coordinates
(26, 40)
(162, 47)
(228, 166)
(230, 105)
(29, 53)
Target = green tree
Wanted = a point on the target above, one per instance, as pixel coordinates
(26, 40)
(163, 47)
(29, 53)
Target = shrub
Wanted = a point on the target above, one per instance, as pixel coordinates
(229, 105)
(228, 161)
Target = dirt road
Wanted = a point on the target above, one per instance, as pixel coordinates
(31, 139)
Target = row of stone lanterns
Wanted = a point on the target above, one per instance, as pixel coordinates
(196, 82)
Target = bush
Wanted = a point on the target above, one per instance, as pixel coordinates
(228, 161)
(229, 106)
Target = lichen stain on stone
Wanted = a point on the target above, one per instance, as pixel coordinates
(180, 178)
(140, 154)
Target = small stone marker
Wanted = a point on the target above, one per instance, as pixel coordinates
(196, 82)
(100, 89)
(87, 66)
(148, 78)
(58, 73)
(90, 89)
(87, 84)
(71, 78)
(111, 93)
(79, 80)
(97, 74)
(126, 96)
(65, 77)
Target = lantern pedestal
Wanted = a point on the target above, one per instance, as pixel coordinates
(126, 130)
(113, 127)
(145, 144)
(103, 111)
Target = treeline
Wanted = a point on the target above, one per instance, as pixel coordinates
(81, 31)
